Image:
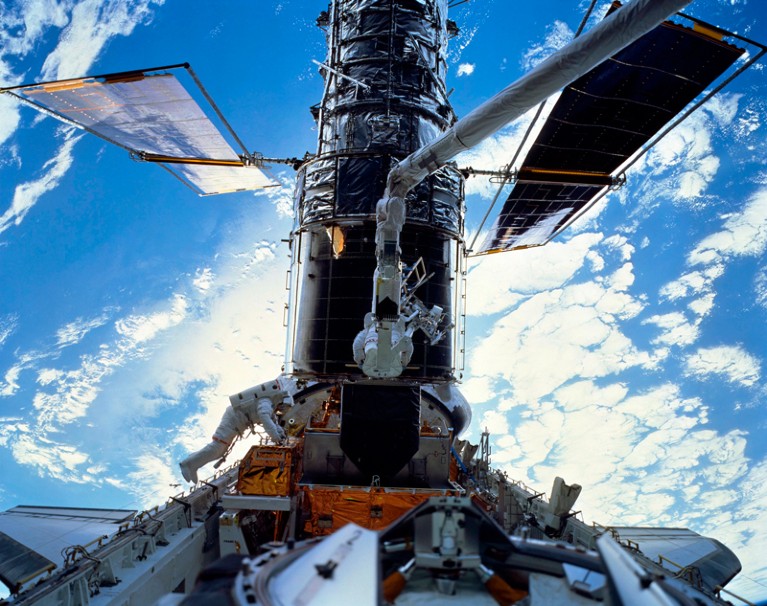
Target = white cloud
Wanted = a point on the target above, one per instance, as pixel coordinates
(26, 195)
(496, 422)
(682, 166)
(137, 329)
(623, 278)
(151, 477)
(703, 305)
(478, 389)
(75, 390)
(9, 116)
(748, 122)
(73, 333)
(10, 384)
(650, 446)
(723, 108)
(21, 30)
(692, 283)
(92, 23)
(677, 329)
(553, 330)
(462, 42)
(496, 284)
(693, 183)
(465, 69)
(557, 36)
(25, 361)
(730, 362)
(740, 533)
(280, 197)
(51, 458)
(9, 426)
(8, 324)
(743, 234)
(555, 336)
(195, 348)
(686, 156)
(621, 244)
(760, 287)
(203, 279)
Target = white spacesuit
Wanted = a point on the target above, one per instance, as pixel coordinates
(252, 406)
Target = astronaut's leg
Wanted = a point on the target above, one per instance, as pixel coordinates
(211, 452)
(232, 424)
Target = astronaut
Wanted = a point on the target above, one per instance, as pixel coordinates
(252, 406)
(386, 361)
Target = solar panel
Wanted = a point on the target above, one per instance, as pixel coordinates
(19, 563)
(539, 211)
(599, 122)
(153, 117)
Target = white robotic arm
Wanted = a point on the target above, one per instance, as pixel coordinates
(385, 345)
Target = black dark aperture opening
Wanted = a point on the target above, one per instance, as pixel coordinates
(380, 427)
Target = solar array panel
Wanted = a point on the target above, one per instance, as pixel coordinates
(599, 122)
(156, 119)
(19, 563)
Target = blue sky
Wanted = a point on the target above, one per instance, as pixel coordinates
(628, 355)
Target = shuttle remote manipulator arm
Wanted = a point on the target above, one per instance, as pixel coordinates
(384, 346)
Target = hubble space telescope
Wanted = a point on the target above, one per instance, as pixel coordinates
(361, 487)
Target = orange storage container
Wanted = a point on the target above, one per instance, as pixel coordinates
(269, 470)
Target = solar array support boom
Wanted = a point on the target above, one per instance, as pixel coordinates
(577, 58)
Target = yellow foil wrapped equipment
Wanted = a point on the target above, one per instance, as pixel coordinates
(329, 508)
(269, 470)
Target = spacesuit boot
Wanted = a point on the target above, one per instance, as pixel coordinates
(190, 465)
